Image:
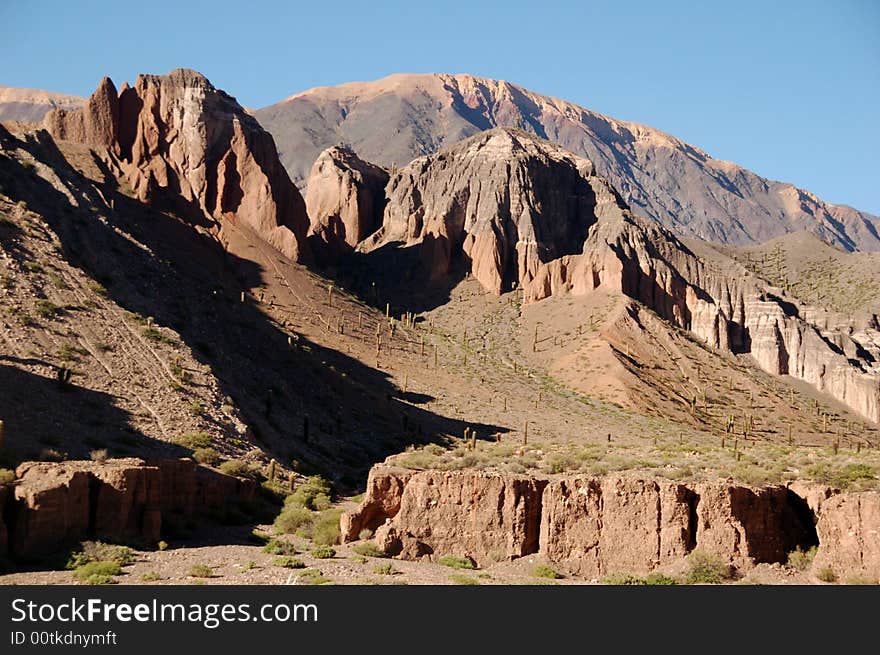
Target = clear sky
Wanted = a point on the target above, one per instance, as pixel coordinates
(790, 89)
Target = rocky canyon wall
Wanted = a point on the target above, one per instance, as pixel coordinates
(52, 505)
(592, 526)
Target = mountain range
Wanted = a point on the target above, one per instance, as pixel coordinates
(391, 121)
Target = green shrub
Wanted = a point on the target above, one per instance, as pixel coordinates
(278, 547)
(162, 545)
(151, 576)
(707, 568)
(97, 572)
(660, 580)
(206, 456)
(801, 560)
(827, 574)
(544, 571)
(323, 552)
(385, 568)
(240, 469)
(313, 494)
(294, 519)
(313, 577)
(461, 579)
(623, 579)
(368, 549)
(325, 528)
(457, 562)
(46, 309)
(99, 579)
(201, 571)
(194, 440)
(289, 563)
(6, 477)
(97, 551)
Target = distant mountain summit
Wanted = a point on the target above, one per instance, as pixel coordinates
(396, 119)
(31, 105)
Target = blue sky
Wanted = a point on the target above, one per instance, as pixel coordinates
(788, 89)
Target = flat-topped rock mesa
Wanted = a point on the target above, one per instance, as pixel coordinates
(593, 526)
(345, 198)
(51, 505)
(393, 120)
(175, 137)
(523, 213)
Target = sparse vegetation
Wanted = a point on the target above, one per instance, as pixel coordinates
(545, 571)
(385, 568)
(100, 455)
(707, 568)
(151, 576)
(97, 573)
(800, 559)
(827, 574)
(97, 551)
(457, 562)
(313, 577)
(367, 549)
(193, 440)
(288, 562)
(201, 571)
(6, 477)
(240, 469)
(461, 579)
(206, 456)
(323, 552)
(278, 547)
(46, 309)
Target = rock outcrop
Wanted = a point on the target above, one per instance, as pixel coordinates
(53, 505)
(345, 198)
(592, 526)
(519, 212)
(179, 142)
(396, 119)
(504, 199)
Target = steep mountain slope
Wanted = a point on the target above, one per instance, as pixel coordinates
(393, 120)
(31, 105)
(182, 144)
(518, 212)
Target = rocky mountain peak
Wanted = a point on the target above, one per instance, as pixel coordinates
(178, 141)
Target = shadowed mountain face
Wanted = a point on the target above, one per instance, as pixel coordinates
(399, 118)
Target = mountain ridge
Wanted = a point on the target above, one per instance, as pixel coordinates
(393, 120)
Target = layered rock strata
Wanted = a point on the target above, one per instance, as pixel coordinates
(178, 141)
(592, 526)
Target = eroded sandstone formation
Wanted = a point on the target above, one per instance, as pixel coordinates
(616, 523)
(519, 212)
(52, 505)
(178, 141)
(345, 198)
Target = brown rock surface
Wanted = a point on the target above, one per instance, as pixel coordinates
(178, 141)
(849, 534)
(345, 198)
(401, 117)
(596, 526)
(474, 514)
(52, 505)
(591, 525)
(520, 212)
